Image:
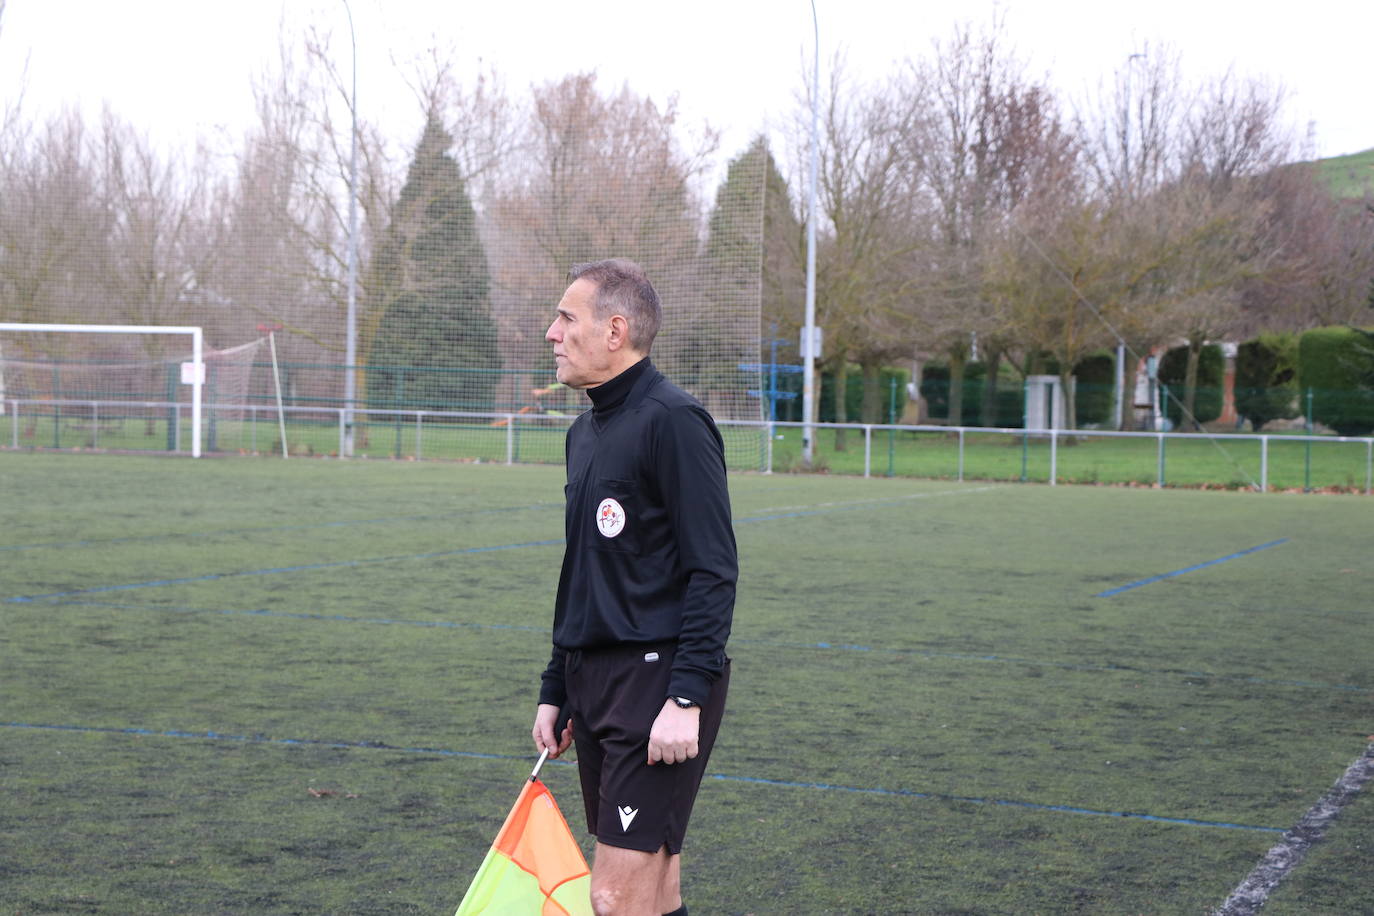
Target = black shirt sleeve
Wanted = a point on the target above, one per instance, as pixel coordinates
(691, 466)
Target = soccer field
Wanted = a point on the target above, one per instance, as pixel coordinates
(264, 686)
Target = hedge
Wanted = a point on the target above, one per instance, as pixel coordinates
(1267, 379)
(1337, 365)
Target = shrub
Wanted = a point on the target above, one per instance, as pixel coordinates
(1094, 388)
(1267, 379)
(1337, 365)
(1211, 371)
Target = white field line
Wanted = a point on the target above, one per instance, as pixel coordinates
(1254, 891)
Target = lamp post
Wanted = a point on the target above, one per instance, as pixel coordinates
(809, 330)
(351, 343)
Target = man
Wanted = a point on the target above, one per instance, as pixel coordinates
(646, 593)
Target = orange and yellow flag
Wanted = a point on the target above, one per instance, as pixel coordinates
(535, 866)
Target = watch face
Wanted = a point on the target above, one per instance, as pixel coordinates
(683, 702)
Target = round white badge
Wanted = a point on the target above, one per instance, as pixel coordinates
(610, 518)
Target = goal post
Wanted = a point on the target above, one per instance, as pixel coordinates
(193, 373)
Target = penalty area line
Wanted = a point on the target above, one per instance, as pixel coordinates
(1253, 892)
(1179, 572)
(721, 777)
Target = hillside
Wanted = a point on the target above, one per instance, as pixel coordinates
(1348, 176)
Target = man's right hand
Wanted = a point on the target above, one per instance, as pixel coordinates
(549, 733)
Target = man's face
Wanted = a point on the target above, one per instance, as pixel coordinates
(580, 341)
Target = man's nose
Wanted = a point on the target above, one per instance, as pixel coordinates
(551, 335)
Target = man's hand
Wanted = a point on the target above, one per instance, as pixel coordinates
(556, 736)
(673, 739)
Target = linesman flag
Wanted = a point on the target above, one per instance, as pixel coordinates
(535, 867)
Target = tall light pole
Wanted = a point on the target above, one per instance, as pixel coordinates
(808, 340)
(351, 344)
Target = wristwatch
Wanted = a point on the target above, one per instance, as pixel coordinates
(683, 702)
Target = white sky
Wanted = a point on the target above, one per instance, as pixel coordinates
(182, 68)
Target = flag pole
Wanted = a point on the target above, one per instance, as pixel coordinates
(534, 774)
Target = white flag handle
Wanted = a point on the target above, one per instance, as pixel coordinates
(534, 774)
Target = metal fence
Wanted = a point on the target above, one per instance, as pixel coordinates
(1158, 459)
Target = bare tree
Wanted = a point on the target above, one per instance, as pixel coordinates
(602, 172)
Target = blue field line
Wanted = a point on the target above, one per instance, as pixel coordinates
(345, 564)
(1179, 572)
(767, 643)
(1038, 663)
(723, 777)
(340, 564)
(1033, 806)
(229, 532)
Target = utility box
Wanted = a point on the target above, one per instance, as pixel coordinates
(1044, 403)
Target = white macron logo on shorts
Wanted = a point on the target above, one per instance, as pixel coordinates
(610, 518)
(627, 816)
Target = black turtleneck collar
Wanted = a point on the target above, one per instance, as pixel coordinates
(607, 396)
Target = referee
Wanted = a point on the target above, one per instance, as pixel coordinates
(646, 592)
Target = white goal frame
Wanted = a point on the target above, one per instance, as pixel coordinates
(197, 363)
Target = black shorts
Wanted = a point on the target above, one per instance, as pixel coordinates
(614, 695)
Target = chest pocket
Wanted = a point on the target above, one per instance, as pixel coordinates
(617, 520)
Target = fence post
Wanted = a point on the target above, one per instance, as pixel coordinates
(1161, 459)
(1025, 431)
(343, 433)
(1054, 456)
(95, 424)
(510, 438)
(14, 423)
(419, 452)
(868, 449)
(1307, 447)
(961, 454)
(1368, 462)
(1264, 464)
(891, 429)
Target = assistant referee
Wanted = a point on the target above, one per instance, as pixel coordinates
(646, 593)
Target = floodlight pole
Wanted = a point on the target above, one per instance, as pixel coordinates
(809, 330)
(351, 345)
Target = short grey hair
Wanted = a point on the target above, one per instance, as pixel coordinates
(622, 288)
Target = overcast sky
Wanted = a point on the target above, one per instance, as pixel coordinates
(181, 68)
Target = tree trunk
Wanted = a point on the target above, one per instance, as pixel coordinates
(1070, 402)
(841, 415)
(1190, 383)
(989, 411)
(875, 398)
(957, 359)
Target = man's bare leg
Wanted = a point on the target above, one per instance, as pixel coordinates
(628, 882)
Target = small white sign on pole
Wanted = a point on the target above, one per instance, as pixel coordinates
(190, 375)
(814, 350)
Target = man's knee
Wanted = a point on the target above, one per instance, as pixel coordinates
(607, 899)
(628, 882)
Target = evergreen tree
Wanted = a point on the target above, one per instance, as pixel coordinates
(751, 254)
(436, 343)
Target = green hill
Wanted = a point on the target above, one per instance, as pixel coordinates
(1348, 176)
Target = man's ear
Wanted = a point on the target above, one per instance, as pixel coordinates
(617, 333)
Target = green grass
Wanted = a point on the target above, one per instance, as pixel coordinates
(1219, 462)
(1348, 176)
(922, 675)
(1194, 461)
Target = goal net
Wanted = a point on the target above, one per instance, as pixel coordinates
(123, 388)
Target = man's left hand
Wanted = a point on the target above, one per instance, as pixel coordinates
(673, 739)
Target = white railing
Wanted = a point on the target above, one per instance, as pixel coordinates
(91, 412)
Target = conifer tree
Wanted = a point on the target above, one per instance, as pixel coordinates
(436, 343)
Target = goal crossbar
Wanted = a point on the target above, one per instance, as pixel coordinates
(197, 361)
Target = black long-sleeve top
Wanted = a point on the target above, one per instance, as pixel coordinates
(650, 553)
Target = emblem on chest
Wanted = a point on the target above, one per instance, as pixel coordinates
(610, 518)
